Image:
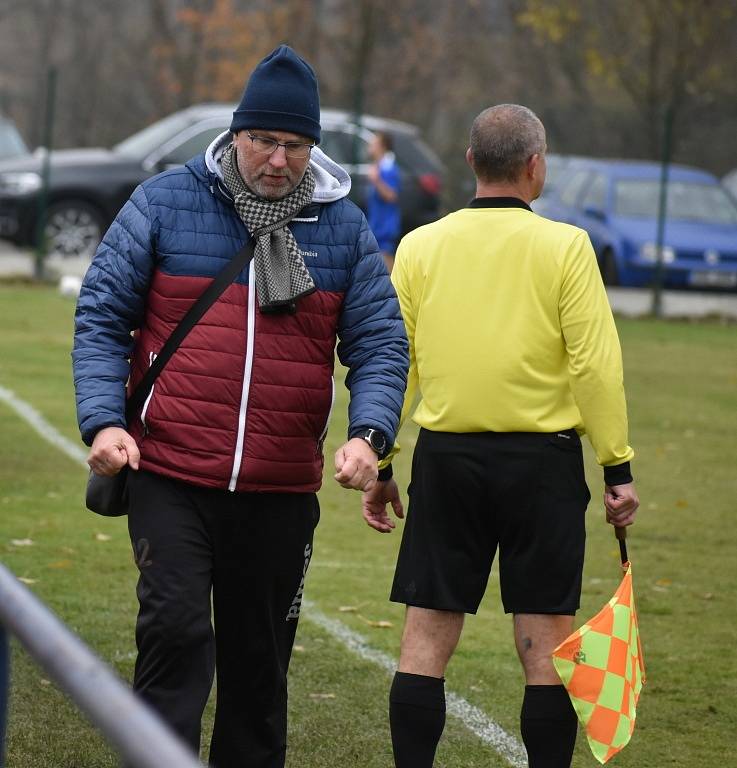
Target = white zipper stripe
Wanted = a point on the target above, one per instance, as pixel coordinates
(309, 218)
(330, 412)
(151, 357)
(246, 378)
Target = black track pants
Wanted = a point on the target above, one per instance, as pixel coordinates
(251, 552)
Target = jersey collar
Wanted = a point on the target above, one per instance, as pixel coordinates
(498, 202)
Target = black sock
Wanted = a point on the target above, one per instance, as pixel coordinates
(548, 723)
(417, 718)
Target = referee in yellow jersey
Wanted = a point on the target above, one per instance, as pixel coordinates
(514, 354)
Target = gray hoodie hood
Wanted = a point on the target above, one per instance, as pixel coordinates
(332, 181)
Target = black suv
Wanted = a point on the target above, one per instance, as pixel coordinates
(89, 186)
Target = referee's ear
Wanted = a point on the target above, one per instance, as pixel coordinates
(469, 159)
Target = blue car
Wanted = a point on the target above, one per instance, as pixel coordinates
(617, 202)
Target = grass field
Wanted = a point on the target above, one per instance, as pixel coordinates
(682, 389)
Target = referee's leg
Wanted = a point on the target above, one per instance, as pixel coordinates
(548, 722)
(417, 697)
(541, 503)
(442, 571)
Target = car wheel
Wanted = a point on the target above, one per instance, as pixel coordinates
(609, 270)
(73, 229)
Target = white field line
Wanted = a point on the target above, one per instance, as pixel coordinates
(48, 432)
(477, 721)
(472, 717)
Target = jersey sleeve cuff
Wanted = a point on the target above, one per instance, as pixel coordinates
(618, 475)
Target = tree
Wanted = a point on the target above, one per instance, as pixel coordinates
(666, 55)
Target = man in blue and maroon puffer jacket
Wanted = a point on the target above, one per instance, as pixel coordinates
(228, 446)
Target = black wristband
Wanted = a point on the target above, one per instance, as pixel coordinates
(618, 475)
(386, 474)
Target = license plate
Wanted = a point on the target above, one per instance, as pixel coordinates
(713, 279)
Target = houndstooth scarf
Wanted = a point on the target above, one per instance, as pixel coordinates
(281, 274)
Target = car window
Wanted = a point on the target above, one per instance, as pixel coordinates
(687, 201)
(335, 145)
(147, 140)
(555, 173)
(595, 197)
(730, 182)
(11, 143)
(573, 186)
(192, 146)
(344, 146)
(413, 154)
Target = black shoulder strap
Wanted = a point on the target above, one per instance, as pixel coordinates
(208, 297)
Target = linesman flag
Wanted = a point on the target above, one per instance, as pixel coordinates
(602, 668)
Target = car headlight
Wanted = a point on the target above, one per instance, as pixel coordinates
(649, 252)
(19, 182)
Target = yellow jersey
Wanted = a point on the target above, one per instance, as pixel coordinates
(509, 328)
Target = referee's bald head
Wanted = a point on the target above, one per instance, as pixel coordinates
(503, 139)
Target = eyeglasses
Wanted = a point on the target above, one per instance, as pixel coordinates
(266, 146)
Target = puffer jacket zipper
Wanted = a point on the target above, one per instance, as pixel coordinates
(247, 369)
(151, 357)
(324, 432)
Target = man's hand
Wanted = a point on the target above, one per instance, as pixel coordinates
(356, 465)
(621, 503)
(111, 450)
(373, 505)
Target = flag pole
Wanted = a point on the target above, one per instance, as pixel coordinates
(621, 534)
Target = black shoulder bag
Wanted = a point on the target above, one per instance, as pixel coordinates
(106, 495)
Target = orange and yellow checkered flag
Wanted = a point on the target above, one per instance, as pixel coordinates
(602, 668)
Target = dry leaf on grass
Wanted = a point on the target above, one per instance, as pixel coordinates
(378, 624)
(351, 608)
(298, 648)
(25, 580)
(22, 542)
(320, 696)
(102, 537)
(61, 564)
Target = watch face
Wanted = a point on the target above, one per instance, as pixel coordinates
(377, 440)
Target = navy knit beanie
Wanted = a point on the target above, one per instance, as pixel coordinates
(281, 95)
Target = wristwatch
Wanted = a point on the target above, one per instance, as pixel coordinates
(376, 439)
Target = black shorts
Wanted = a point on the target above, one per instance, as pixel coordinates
(470, 493)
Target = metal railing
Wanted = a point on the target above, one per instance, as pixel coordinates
(139, 735)
(4, 680)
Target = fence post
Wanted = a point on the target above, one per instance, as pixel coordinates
(662, 214)
(43, 195)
